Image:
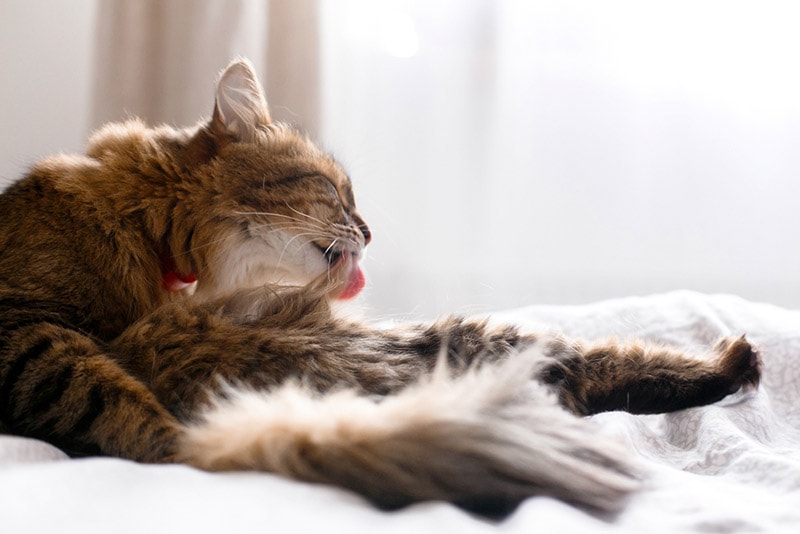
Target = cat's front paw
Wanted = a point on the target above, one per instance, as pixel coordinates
(739, 362)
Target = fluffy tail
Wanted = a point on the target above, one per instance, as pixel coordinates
(485, 439)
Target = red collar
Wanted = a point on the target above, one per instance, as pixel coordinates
(171, 279)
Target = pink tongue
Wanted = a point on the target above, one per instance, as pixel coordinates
(355, 284)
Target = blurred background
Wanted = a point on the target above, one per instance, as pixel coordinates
(504, 152)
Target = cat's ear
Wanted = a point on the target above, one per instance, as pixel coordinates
(240, 106)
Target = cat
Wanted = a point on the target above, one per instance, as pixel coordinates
(169, 297)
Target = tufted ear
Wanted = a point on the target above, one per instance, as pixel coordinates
(240, 106)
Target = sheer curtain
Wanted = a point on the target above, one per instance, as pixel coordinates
(511, 152)
(158, 60)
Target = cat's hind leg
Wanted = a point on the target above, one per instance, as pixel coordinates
(641, 378)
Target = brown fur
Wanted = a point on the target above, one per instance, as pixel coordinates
(98, 356)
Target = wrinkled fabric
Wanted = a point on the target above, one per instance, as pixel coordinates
(730, 467)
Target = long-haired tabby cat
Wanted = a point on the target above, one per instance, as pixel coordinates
(166, 297)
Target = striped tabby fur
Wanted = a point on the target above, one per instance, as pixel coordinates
(166, 297)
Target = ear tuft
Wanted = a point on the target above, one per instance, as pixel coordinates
(240, 106)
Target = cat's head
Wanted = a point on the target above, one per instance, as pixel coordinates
(274, 208)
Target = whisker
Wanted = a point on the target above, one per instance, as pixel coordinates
(288, 243)
(208, 244)
(306, 215)
(329, 247)
(322, 224)
(279, 227)
(301, 230)
(315, 222)
(304, 234)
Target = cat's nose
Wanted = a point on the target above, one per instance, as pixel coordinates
(363, 228)
(366, 233)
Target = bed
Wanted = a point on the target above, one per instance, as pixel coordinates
(730, 467)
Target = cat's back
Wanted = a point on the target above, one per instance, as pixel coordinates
(60, 245)
(42, 194)
(37, 214)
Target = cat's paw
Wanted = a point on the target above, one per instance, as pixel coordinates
(739, 362)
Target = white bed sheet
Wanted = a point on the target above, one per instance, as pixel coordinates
(730, 467)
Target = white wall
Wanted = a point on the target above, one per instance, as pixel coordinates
(46, 73)
(568, 151)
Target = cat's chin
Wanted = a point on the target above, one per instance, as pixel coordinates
(252, 264)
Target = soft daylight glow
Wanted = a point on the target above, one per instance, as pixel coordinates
(382, 26)
(400, 35)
